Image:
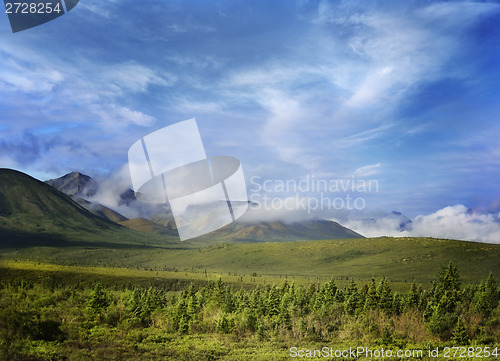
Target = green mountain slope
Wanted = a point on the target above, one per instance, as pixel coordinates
(32, 212)
(277, 231)
(145, 225)
(100, 210)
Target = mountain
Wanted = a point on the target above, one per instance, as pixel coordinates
(40, 223)
(158, 218)
(145, 225)
(404, 223)
(100, 210)
(389, 223)
(277, 231)
(35, 213)
(80, 186)
(75, 184)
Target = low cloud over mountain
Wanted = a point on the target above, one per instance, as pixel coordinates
(453, 222)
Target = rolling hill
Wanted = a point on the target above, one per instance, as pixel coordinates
(145, 225)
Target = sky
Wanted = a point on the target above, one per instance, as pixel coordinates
(403, 95)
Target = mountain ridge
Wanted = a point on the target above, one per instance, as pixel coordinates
(160, 221)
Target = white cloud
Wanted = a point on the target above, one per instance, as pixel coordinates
(367, 170)
(95, 92)
(368, 63)
(457, 222)
(33, 79)
(97, 7)
(452, 222)
(457, 14)
(115, 116)
(133, 77)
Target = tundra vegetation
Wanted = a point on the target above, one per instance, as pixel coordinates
(51, 315)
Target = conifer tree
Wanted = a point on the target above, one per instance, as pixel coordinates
(459, 335)
(352, 298)
(98, 300)
(412, 300)
(371, 297)
(384, 296)
(449, 278)
(487, 296)
(273, 301)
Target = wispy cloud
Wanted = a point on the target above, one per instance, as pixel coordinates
(368, 170)
(133, 77)
(366, 75)
(96, 90)
(404, 92)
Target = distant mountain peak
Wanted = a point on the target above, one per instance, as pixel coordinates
(75, 184)
(405, 223)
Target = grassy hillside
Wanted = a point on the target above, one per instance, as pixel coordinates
(399, 259)
(34, 213)
(278, 231)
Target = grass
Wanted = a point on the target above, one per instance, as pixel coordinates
(401, 260)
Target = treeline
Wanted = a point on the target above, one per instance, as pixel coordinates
(37, 320)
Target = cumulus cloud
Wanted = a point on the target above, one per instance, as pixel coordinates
(458, 222)
(452, 222)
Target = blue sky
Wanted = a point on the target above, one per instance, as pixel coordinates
(406, 93)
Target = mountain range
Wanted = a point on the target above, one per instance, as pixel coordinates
(42, 224)
(57, 208)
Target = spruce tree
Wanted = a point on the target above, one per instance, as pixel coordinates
(412, 300)
(487, 296)
(98, 300)
(352, 298)
(459, 335)
(371, 297)
(384, 296)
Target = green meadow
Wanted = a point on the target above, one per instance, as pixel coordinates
(259, 301)
(401, 260)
